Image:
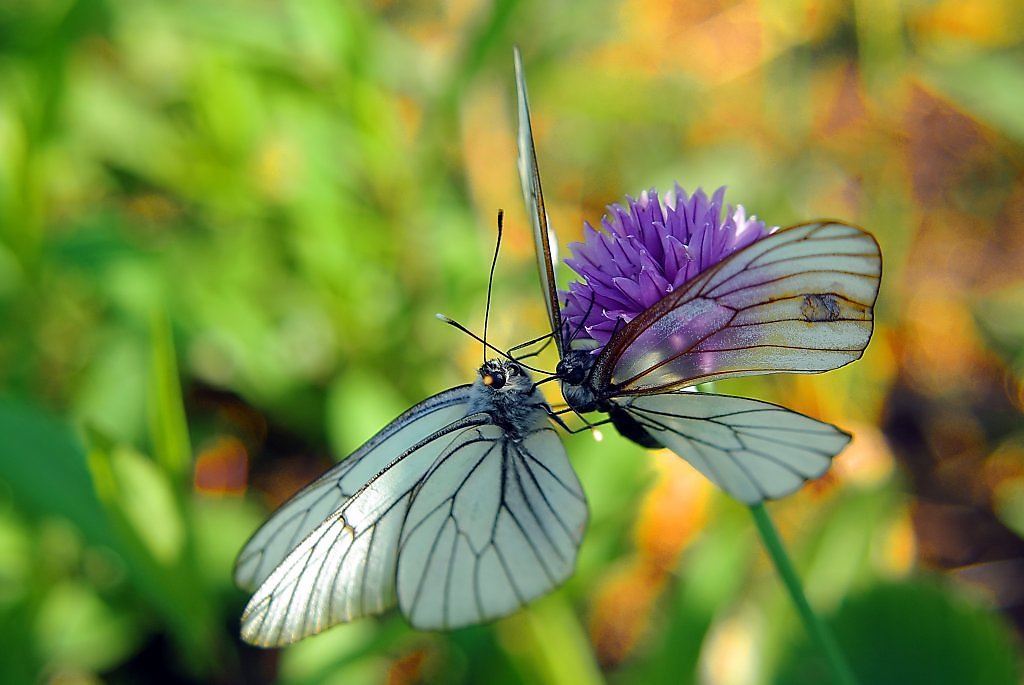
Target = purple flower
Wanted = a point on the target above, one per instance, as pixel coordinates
(646, 251)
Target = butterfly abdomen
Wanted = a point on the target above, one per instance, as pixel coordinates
(630, 428)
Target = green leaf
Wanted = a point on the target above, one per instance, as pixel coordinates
(168, 426)
(914, 632)
(155, 544)
(44, 465)
(76, 628)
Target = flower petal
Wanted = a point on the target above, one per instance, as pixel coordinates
(646, 248)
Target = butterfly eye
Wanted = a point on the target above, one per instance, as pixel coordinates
(512, 371)
(494, 380)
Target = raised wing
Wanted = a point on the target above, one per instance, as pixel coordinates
(543, 236)
(753, 450)
(345, 568)
(495, 524)
(309, 507)
(797, 301)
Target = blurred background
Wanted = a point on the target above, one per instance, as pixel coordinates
(225, 229)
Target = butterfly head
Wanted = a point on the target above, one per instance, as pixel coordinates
(574, 367)
(504, 375)
(506, 392)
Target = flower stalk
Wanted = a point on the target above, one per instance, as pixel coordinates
(815, 627)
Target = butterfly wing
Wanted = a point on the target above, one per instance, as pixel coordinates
(543, 236)
(308, 508)
(496, 523)
(753, 450)
(345, 568)
(799, 301)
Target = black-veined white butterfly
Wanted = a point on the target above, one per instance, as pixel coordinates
(461, 510)
(797, 300)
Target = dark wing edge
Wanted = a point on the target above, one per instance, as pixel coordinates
(533, 196)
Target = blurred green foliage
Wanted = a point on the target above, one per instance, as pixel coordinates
(224, 231)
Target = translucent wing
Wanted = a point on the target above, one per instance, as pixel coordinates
(495, 524)
(753, 450)
(543, 236)
(799, 300)
(308, 508)
(345, 568)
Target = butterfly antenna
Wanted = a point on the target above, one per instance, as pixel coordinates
(455, 324)
(490, 279)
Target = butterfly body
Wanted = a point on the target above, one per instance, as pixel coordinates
(575, 372)
(631, 428)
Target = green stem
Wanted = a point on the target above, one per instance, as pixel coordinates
(814, 626)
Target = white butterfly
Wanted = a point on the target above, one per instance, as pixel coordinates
(799, 300)
(461, 510)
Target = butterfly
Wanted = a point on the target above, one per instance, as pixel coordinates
(798, 300)
(461, 510)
